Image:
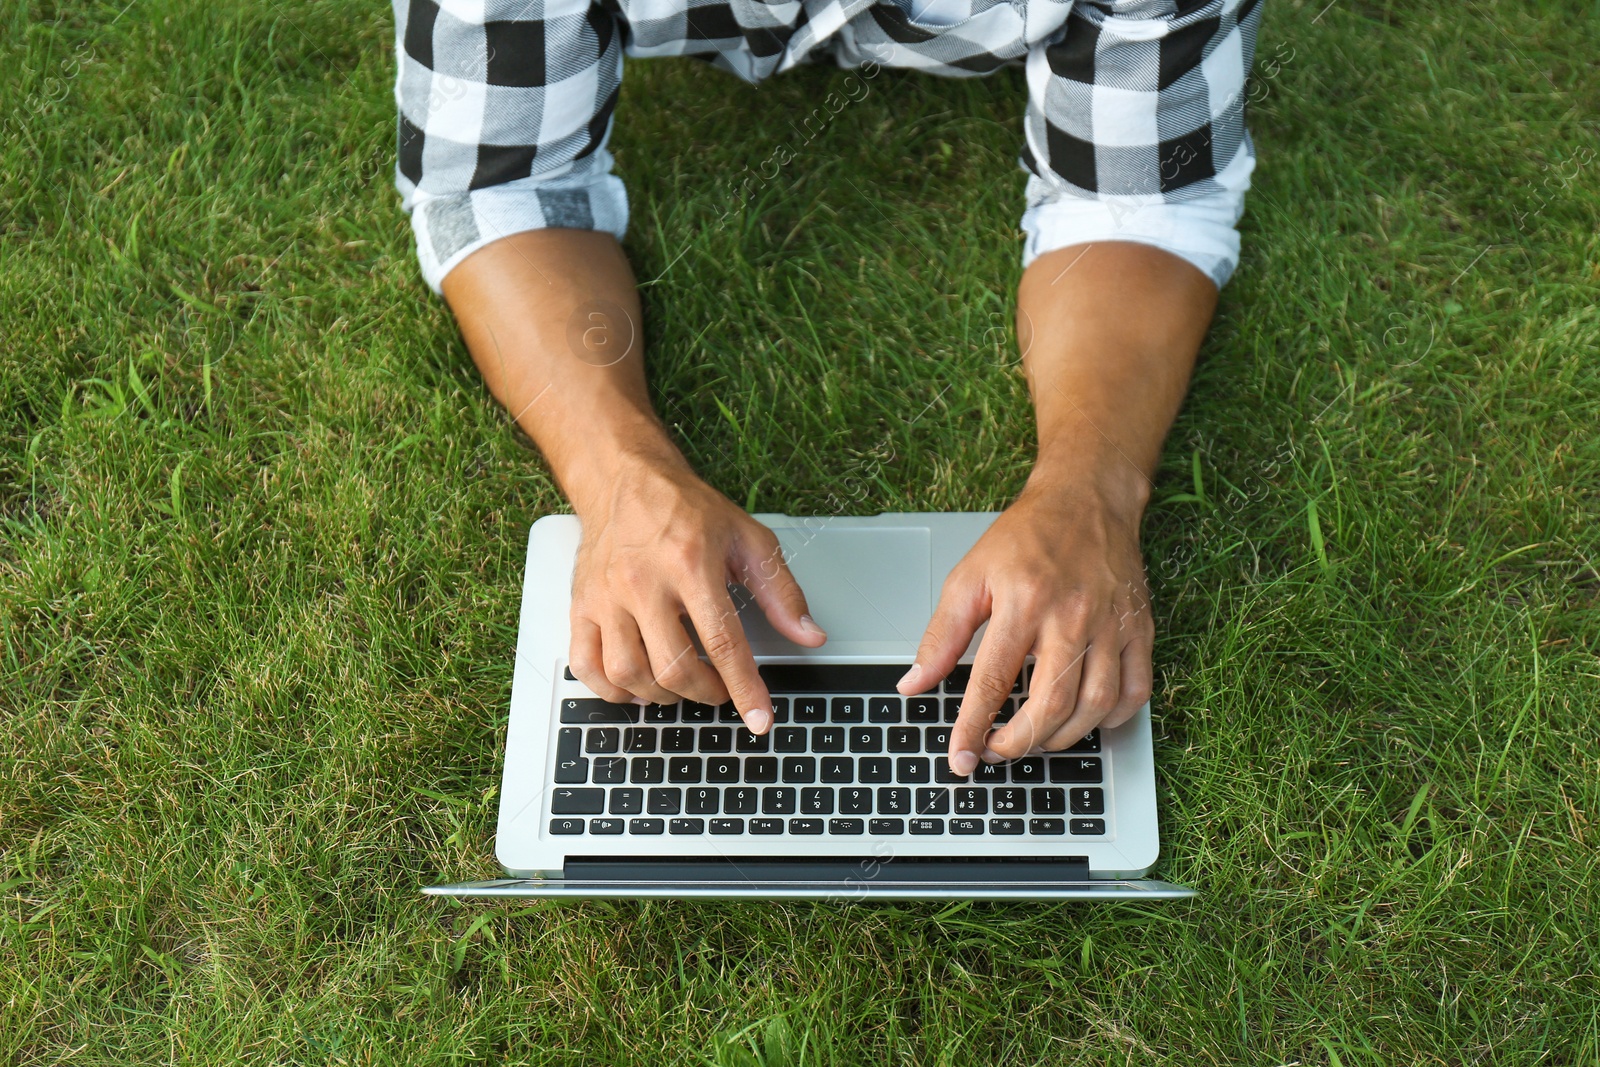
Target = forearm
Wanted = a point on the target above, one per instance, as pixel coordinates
(1109, 334)
(553, 321)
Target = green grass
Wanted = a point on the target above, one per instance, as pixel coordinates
(263, 531)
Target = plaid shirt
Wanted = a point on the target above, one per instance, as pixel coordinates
(1133, 129)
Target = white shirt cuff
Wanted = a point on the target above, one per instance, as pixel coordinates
(1201, 231)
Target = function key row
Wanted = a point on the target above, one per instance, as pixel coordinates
(921, 826)
(794, 678)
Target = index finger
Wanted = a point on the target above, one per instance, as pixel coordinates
(716, 621)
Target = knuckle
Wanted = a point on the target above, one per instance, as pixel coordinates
(990, 689)
(1135, 696)
(675, 673)
(1097, 699)
(720, 644)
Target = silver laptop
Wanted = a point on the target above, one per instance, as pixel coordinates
(848, 796)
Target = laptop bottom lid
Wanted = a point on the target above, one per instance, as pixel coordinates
(809, 878)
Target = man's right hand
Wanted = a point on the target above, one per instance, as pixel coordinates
(659, 544)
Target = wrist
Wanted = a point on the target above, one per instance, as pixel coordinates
(1106, 483)
(616, 456)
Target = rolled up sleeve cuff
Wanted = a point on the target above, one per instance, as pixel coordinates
(1202, 230)
(449, 228)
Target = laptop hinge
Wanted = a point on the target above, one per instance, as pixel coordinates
(930, 869)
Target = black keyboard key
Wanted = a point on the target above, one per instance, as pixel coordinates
(780, 709)
(1049, 800)
(866, 739)
(805, 826)
(800, 770)
(927, 826)
(1027, 770)
(766, 826)
(1091, 827)
(728, 713)
(569, 742)
(875, 769)
(936, 739)
(971, 800)
(886, 826)
(572, 771)
(922, 709)
(566, 826)
(1008, 710)
(839, 770)
(603, 739)
(683, 769)
(777, 800)
(577, 801)
(716, 739)
(582, 709)
(894, 800)
(1005, 826)
(911, 769)
(1088, 744)
(605, 826)
(789, 739)
(943, 773)
(639, 739)
(739, 800)
(905, 739)
(745, 741)
(663, 801)
(956, 681)
(610, 770)
(722, 769)
(1088, 801)
(849, 709)
(701, 801)
(687, 826)
(1070, 769)
(855, 801)
(831, 677)
(846, 826)
(952, 709)
(1047, 826)
(827, 739)
(990, 773)
(934, 801)
(626, 801)
(966, 826)
(883, 709)
(761, 769)
(644, 826)
(659, 713)
(1010, 800)
(647, 770)
(571, 768)
(810, 710)
(566, 672)
(818, 800)
(677, 739)
(694, 711)
(727, 826)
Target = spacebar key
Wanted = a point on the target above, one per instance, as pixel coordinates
(854, 678)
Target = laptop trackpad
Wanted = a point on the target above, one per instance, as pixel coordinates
(862, 585)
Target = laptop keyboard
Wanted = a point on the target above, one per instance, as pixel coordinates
(847, 755)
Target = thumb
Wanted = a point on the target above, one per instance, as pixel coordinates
(759, 565)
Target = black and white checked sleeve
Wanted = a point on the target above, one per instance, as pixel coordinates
(1135, 129)
(505, 108)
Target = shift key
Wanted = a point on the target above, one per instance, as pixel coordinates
(586, 709)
